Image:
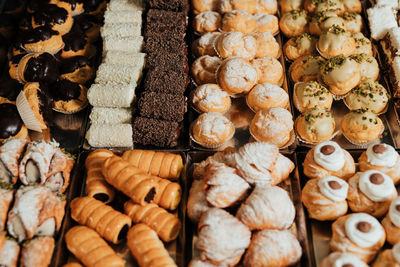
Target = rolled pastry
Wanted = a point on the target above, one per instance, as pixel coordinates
(90, 249)
(127, 74)
(126, 58)
(119, 135)
(122, 16)
(132, 44)
(165, 224)
(142, 188)
(109, 223)
(197, 202)
(9, 254)
(120, 30)
(59, 173)
(112, 94)
(36, 212)
(37, 252)
(162, 164)
(96, 185)
(110, 115)
(10, 152)
(6, 197)
(147, 249)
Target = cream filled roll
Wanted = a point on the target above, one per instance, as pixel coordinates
(126, 58)
(118, 72)
(127, 16)
(112, 94)
(106, 135)
(119, 30)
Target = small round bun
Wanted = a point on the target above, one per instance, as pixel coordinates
(211, 98)
(265, 96)
(204, 69)
(269, 70)
(207, 21)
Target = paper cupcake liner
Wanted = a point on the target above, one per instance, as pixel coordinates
(26, 113)
(313, 143)
(365, 144)
(319, 51)
(290, 142)
(380, 113)
(211, 146)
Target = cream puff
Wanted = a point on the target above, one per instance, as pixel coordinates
(77, 69)
(363, 44)
(68, 97)
(204, 5)
(230, 44)
(303, 45)
(42, 39)
(336, 41)
(325, 5)
(76, 44)
(266, 23)
(204, 69)
(381, 157)
(388, 257)
(266, 45)
(325, 198)
(238, 20)
(339, 259)
(308, 95)
(265, 96)
(269, 70)
(11, 123)
(294, 23)
(57, 18)
(225, 6)
(323, 21)
(306, 68)
(38, 67)
(289, 5)
(353, 22)
(74, 7)
(328, 159)
(369, 67)
(371, 192)
(205, 44)
(207, 21)
(210, 98)
(267, 6)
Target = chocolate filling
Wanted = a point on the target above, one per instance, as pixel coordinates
(69, 65)
(65, 90)
(42, 68)
(101, 197)
(38, 34)
(364, 227)
(376, 178)
(91, 5)
(10, 88)
(398, 207)
(334, 185)
(50, 14)
(10, 121)
(124, 231)
(348, 265)
(327, 149)
(379, 149)
(150, 195)
(74, 41)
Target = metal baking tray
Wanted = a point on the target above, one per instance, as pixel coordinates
(292, 185)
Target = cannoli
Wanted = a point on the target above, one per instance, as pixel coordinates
(6, 197)
(109, 223)
(162, 164)
(142, 188)
(36, 212)
(147, 248)
(37, 252)
(132, 44)
(9, 253)
(112, 116)
(165, 224)
(96, 185)
(108, 72)
(90, 249)
(59, 172)
(10, 152)
(111, 94)
(118, 135)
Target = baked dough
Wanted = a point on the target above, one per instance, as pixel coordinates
(207, 21)
(336, 41)
(231, 44)
(204, 69)
(391, 222)
(269, 70)
(264, 96)
(312, 94)
(306, 68)
(210, 97)
(205, 44)
(368, 95)
(238, 20)
(266, 45)
(302, 45)
(294, 23)
(341, 259)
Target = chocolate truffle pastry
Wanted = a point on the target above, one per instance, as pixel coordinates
(204, 69)
(76, 44)
(155, 132)
(266, 45)
(342, 259)
(210, 98)
(74, 7)
(315, 6)
(359, 234)
(7, 26)
(315, 125)
(162, 106)
(57, 18)
(88, 25)
(11, 124)
(336, 41)
(95, 7)
(328, 159)
(361, 126)
(388, 257)
(13, 66)
(207, 21)
(294, 23)
(353, 22)
(371, 192)
(269, 70)
(289, 5)
(9, 90)
(363, 44)
(352, 6)
(302, 45)
(205, 44)
(16, 48)
(306, 68)
(77, 69)
(161, 21)
(264, 96)
(238, 20)
(42, 39)
(311, 94)
(68, 97)
(391, 222)
(166, 81)
(341, 74)
(368, 95)
(38, 67)
(369, 67)
(322, 21)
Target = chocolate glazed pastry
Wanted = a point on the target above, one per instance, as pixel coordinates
(74, 7)
(77, 69)
(75, 44)
(53, 16)
(40, 67)
(88, 25)
(94, 7)
(36, 5)
(11, 124)
(68, 97)
(42, 39)
(13, 66)
(9, 90)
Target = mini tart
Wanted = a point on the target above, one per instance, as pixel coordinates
(42, 39)
(211, 98)
(266, 45)
(95, 7)
(362, 126)
(238, 20)
(303, 45)
(391, 222)
(368, 95)
(57, 18)
(369, 67)
(212, 130)
(311, 94)
(341, 74)
(352, 6)
(74, 7)
(315, 6)
(336, 41)
(274, 126)
(207, 21)
(323, 21)
(77, 69)
(230, 44)
(205, 44)
(38, 67)
(204, 69)
(363, 44)
(11, 124)
(306, 68)
(266, 23)
(289, 5)
(87, 25)
(269, 70)
(294, 23)
(76, 44)
(353, 22)
(9, 90)
(265, 96)
(68, 97)
(342, 259)
(315, 125)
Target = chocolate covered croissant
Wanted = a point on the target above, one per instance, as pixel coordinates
(10, 152)
(96, 184)
(147, 249)
(9, 253)
(162, 164)
(142, 188)
(37, 252)
(90, 249)
(6, 197)
(109, 223)
(165, 224)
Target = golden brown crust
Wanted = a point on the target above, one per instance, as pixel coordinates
(22, 134)
(294, 23)
(61, 28)
(360, 130)
(312, 132)
(393, 172)
(239, 21)
(38, 252)
(392, 231)
(80, 75)
(204, 5)
(306, 68)
(204, 69)
(73, 264)
(52, 45)
(269, 70)
(73, 105)
(289, 5)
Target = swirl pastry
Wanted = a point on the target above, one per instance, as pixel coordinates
(230, 44)
(166, 225)
(302, 45)
(226, 156)
(6, 197)
(90, 249)
(197, 202)
(391, 222)
(388, 257)
(294, 23)
(109, 223)
(328, 159)
(267, 207)
(147, 248)
(142, 188)
(342, 259)
(37, 252)
(10, 152)
(9, 254)
(359, 234)
(216, 242)
(325, 198)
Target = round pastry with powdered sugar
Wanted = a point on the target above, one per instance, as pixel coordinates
(265, 96)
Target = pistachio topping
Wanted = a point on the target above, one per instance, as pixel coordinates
(333, 63)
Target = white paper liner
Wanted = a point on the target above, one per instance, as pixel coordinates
(335, 133)
(26, 113)
(211, 146)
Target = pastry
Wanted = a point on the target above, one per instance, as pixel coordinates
(238, 20)
(226, 156)
(266, 45)
(294, 23)
(320, 6)
(325, 198)
(336, 41)
(207, 21)
(113, 116)
(6, 198)
(11, 123)
(90, 249)
(341, 259)
(381, 157)
(274, 126)
(132, 44)
(371, 192)
(147, 248)
(267, 207)
(361, 126)
(273, 248)
(118, 73)
(109, 223)
(352, 6)
(309, 95)
(363, 44)
(368, 95)
(176, 5)
(37, 252)
(368, 66)
(200, 263)
(391, 222)
(265, 96)
(88, 25)
(359, 234)
(197, 203)
(315, 125)
(266, 23)
(328, 159)
(381, 19)
(289, 5)
(57, 18)
(216, 242)
(74, 7)
(42, 39)
(237, 44)
(169, 107)
(306, 68)
(76, 44)
(59, 173)
(38, 67)
(353, 22)
(77, 69)
(10, 253)
(204, 5)
(210, 97)
(212, 129)
(123, 94)
(341, 74)
(160, 21)
(225, 6)
(205, 44)
(97, 7)
(235, 75)
(388, 257)
(10, 153)
(142, 188)
(9, 90)
(165, 224)
(13, 66)
(69, 97)
(204, 69)
(72, 264)
(323, 21)
(269, 70)
(302, 45)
